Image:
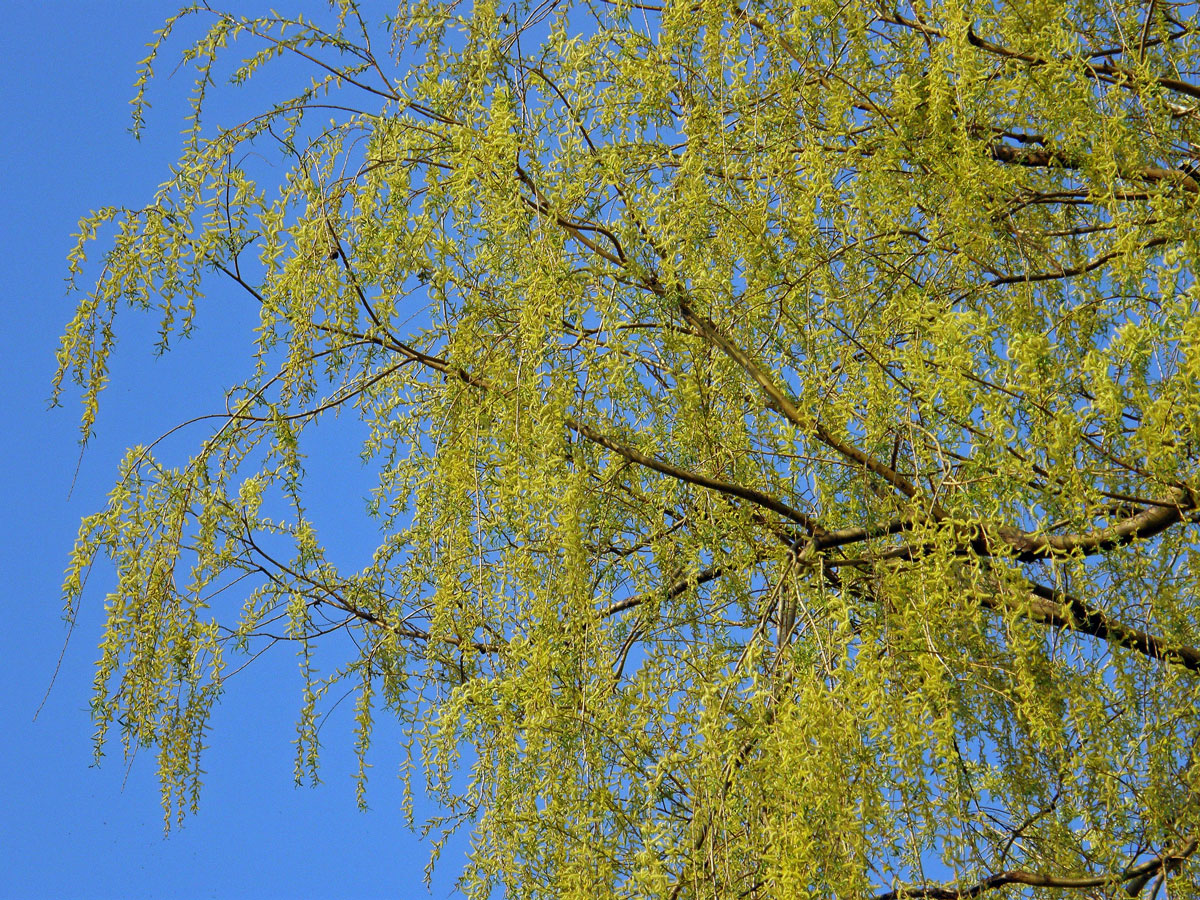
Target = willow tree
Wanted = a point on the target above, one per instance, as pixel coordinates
(785, 424)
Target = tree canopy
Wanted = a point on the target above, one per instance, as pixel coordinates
(784, 421)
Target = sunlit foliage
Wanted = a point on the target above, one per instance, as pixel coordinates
(785, 419)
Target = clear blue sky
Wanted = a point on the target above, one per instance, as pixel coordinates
(68, 829)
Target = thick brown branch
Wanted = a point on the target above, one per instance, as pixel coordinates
(843, 536)
(1045, 157)
(1062, 610)
(1144, 524)
(1001, 540)
(956, 891)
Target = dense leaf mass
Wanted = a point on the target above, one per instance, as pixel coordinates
(785, 415)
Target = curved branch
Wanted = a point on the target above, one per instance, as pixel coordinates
(955, 891)
(1042, 157)
(723, 487)
(780, 402)
(1098, 71)
(680, 586)
(1062, 610)
(1146, 523)
(1024, 546)
(329, 595)
(759, 498)
(1083, 268)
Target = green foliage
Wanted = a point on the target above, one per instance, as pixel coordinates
(785, 420)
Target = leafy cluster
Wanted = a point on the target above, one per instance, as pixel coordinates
(785, 419)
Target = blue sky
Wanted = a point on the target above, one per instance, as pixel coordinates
(68, 829)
